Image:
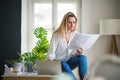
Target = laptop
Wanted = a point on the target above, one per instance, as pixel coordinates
(48, 67)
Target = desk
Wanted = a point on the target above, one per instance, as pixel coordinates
(32, 77)
(29, 78)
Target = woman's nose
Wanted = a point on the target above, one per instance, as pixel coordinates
(71, 23)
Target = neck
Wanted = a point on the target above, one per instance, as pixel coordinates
(69, 32)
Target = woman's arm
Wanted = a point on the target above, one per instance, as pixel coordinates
(53, 46)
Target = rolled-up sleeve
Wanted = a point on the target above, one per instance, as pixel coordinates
(53, 46)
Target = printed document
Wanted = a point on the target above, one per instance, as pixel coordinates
(84, 41)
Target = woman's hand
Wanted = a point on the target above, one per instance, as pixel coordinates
(79, 51)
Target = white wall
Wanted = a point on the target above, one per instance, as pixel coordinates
(92, 12)
(95, 10)
(119, 9)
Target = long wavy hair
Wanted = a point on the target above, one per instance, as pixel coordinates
(62, 29)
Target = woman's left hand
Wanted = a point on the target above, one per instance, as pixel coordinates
(79, 51)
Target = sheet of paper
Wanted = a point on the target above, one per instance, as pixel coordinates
(84, 41)
(91, 41)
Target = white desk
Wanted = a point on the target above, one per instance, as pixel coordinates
(32, 77)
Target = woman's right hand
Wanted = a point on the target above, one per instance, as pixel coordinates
(79, 51)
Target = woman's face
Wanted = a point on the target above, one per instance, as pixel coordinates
(71, 23)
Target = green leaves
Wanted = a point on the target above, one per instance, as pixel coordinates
(29, 57)
(42, 44)
(40, 32)
(40, 49)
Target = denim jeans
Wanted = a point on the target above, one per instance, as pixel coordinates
(79, 61)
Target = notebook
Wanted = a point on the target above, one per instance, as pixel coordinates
(48, 67)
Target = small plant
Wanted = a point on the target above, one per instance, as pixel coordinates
(11, 62)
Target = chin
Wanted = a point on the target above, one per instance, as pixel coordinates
(72, 29)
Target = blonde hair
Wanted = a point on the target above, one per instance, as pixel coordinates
(62, 29)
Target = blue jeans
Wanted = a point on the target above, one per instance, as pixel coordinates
(79, 61)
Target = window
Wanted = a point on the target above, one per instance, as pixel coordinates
(45, 13)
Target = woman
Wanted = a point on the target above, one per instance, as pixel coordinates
(61, 38)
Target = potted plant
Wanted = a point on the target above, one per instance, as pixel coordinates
(14, 65)
(39, 52)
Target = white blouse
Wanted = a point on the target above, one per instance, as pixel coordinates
(58, 49)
